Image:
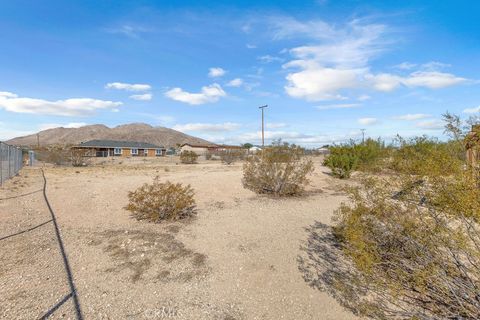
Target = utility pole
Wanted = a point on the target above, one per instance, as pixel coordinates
(363, 135)
(263, 131)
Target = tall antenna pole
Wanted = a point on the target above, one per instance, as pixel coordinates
(263, 131)
(363, 135)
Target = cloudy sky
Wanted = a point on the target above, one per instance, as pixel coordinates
(326, 68)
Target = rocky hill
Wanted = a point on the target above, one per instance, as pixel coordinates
(140, 132)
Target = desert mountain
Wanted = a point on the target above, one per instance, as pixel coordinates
(140, 132)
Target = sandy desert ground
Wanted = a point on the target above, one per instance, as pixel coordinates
(238, 259)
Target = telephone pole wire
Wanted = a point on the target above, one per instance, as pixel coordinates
(263, 131)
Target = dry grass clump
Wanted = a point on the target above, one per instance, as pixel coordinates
(188, 157)
(161, 201)
(231, 156)
(280, 170)
(79, 158)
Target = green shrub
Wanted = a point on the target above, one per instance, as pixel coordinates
(414, 245)
(188, 157)
(423, 155)
(280, 170)
(368, 156)
(161, 201)
(341, 163)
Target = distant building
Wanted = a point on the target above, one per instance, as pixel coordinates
(323, 151)
(472, 144)
(113, 148)
(254, 149)
(200, 149)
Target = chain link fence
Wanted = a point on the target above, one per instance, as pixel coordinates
(11, 161)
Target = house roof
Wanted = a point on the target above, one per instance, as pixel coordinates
(193, 145)
(118, 144)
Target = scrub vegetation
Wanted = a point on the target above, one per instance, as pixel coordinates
(411, 235)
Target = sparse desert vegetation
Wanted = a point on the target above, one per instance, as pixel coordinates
(280, 170)
(406, 244)
(161, 201)
(235, 260)
(188, 157)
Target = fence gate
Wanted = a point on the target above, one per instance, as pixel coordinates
(11, 161)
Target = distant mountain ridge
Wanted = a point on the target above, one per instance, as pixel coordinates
(140, 132)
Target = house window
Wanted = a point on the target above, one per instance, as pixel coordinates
(145, 152)
(117, 151)
(134, 151)
(158, 152)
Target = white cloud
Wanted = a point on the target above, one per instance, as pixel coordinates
(432, 79)
(367, 121)
(128, 30)
(429, 79)
(10, 133)
(216, 72)
(68, 107)
(340, 60)
(315, 82)
(46, 126)
(289, 136)
(364, 97)
(142, 97)
(384, 81)
(412, 117)
(207, 127)
(434, 66)
(275, 125)
(237, 82)
(405, 66)
(250, 46)
(431, 124)
(472, 110)
(338, 106)
(6, 94)
(128, 86)
(211, 93)
(268, 58)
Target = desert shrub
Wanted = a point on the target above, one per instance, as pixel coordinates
(188, 157)
(78, 158)
(208, 155)
(423, 155)
(369, 156)
(342, 161)
(415, 245)
(161, 201)
(280, 170)
(55, 154)
(230, 156)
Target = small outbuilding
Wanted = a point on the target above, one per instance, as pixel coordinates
(200, 149)
(113, 148)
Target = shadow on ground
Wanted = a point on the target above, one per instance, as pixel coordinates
(324, 267)
(146, 255)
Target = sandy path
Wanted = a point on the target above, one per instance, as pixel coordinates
(236, 260)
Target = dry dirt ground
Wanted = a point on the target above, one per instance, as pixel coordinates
(238, 259)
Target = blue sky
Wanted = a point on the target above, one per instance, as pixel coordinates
(326, 68)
